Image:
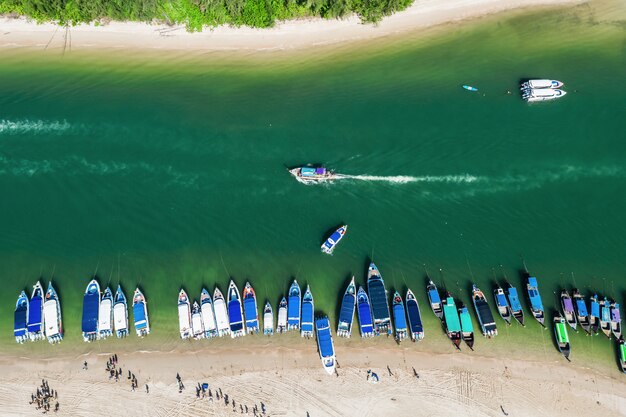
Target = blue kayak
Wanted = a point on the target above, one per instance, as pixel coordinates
(470, 88)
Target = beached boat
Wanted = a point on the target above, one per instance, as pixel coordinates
(621, 347)
(483, 312)
(105, 316)
(250, 309)
(325, 344)
(434, 299)
(605, 317)
(346, 312)
(378, 298)
(294, 302)
(197, 325)
(91, 309)
(268, 319)
(415, 317)
(581, 311)
(502, 305)
(235, 312)
(35, 313)
(312, 175)
(399, 317)
(120, 313)
(541, 83)
(516, 305)
(568, 309)
(329, 245)
(281, 324)
(542, 94)
(184, 315)
(536, 306)
(140, 314)
(52, 316)
(364, 311)
(451, 321)
(616, 321)
(467, 327)
(562, 338)
(208, 315)
(221, 313)
(20, 318)
(306, 329)
(594, 314)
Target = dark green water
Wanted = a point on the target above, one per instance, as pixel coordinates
(169, 172)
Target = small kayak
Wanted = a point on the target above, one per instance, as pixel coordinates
(470, 88)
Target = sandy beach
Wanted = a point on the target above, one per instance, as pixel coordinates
(20, 33)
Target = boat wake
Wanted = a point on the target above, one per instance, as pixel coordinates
(405, 179)
(19, 127)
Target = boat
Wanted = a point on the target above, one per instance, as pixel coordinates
(536, 306)
(467, 327)
(325, 344)
(378, 298)
(120, 313)
(434, 299)
(52, 315)
(616, 321)
(346, 312)
(364, 310)
(502, 305)
(452, 322)
(541, 83)
(542, 94)
(91, 309)
(483, 312)
(20, 318)
(515, 304)
(208, 315)
(329, 245)
(197, 326)
(250, 309)
(415, 317)
(140, 314)
(313, 175)
(268, 319)
(35, 313)
(560, 332)
(221, 313)
(581, 311)
(568, 309)
(605, 317)
(470, 88)
(594, 314)
(105, 316)
(294, 301)
(621, 347)
(281, 324)
(306, 328)
(235, 313)
(184, 315)
(399, 317)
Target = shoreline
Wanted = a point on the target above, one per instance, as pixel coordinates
(291, 35)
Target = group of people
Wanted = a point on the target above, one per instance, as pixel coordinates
(116, 372)
(44, 397)
(203, 391)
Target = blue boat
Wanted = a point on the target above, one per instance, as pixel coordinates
(120, 313)
(306, 329)
(140, 314)
(364, 311)
(52, 315)
(415, 317)
(20, 318)
(346, 313)
(294, 300)
(536, 306)
(378, 297)
(105, 317)
(516, 305)
(605, 317)
(325, 344)
(399, 317)
(250, 309)
(435, 300)
(594, 315)
(329, 246)
(581, 311)
(470, 88)
(235, 313)
(91, 310)
(35, 314)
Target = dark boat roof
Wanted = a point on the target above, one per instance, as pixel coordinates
(378, 298)
(415, 319)
(91, 303)
(346, 313)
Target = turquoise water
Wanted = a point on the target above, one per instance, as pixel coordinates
(171, 172)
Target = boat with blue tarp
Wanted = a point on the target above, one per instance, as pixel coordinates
(91, 310)
(378, 298)
(415, 317)
(312, 175)
(184, 315)
(52, 315)
(467, 327)
(451, 321)
(20, 318)
(483, 312)
(281, 324)
(235, 312)
(294, 302)
(434, 299)
(140, 314)
(364, 310)
(605, 317)
(268, 319)
(120, 313)
(581, 311)
(325, 344)
(35, 313)
(502, 304)
(594, 314)
(536, 305)
(208, 315)
(346, 312)
(329, 245)
(250, 309)
(105, 316)
(399, 317)
(306, 328)
(516, 305)
(221, 313)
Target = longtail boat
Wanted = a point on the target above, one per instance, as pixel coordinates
(621, 346)
(502, 305)
(452, 322)
(568, 309)
(281, 325)
(184, 315)
(364, 310)
(581, 311)
(52, 315)
(346, 312)
(536, 306)
(516, 305)
(120, 313)
(483, 312)
(378, 298)
(105, 316)
(434, 299)
(221, 313)
(605, 317)
(91, 309)
(325, 344)
(308, 309)
(415, 317)
(35, 313)
(467, 327)
(294, 303)
(594, 314)
(560, 332)
(235, 311)
(399, 317)
(268, 319)
(616, 321)
(208, 314)
(20, 318)
(250, 309)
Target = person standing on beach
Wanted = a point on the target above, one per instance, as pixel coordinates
(147, 389)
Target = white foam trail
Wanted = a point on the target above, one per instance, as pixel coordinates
(33, 126)
(405, 179)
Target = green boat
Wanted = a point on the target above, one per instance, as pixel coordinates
(451, 320)
(560, 332)
(467, 328)
(621, 345)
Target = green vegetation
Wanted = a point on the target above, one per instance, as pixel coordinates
(196, 14)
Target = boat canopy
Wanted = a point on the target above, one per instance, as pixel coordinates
(249, 307)
(501, 299)
(34, 314)
(533, 294)
(415, 319)
(595, 309)
(484, 312)
(466, 321)
(91, 308)
(324, 338)
(311, 172)
(452, 317)
(51, 318)
(433, 294)
(104, 316)
(582, 308)
(606, 312)
(561, 333)
(615, 313)
(19, 322)
(378, 297)
(293, 310)
(399, 317)
(139, 313)
(568, 305)
(307, 317)
(346, 314)
(622, 352)
(234, 315)
(365, 316)
(544, 83)
(119, 315)
(514, 299)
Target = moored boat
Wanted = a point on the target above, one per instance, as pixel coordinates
(568, 309)
(221, 313)
(542, 94)
(541, 83)
(35, 313)
(294, 302)
(91, 309)
(312, 175)
(197, 325)
(268, 319)
(483, 312)
(467, 327)
(502, 304)
(516, 305)
(208, 314)
(346, 312)
(594, 314)
(120, 313)
(415, 317)
(562, 338)
(235, 312)
(325, 344)
(329, 245)
(306, 329)
(281, 323)
(250, 309)
(434, 299)
(184, 315)
(105, 316)
(621, 347)
(616, 321)
(451, 321)
(536, 305)
(140, 314)
(581, 311)
(20, 318)
(364, 311)
(399, 317)
(605, 317)
(52, 316)
(378, 298)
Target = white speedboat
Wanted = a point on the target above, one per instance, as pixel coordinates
(105, 317)
(196, 321)
(542, 94)
(540, 84)
(312, 175)
(120, 313)
(221, 314)
(184, 315)
(208, 315)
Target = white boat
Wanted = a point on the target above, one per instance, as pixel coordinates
(221, 314)
(105, 317)
(140, 314)
(543, 83)
(208, 315)
(196, 321)
(542, 94)
(184, 315)
(312, 175)
(52, 316)
(268, 320)
(120, 313)
(281, 325)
